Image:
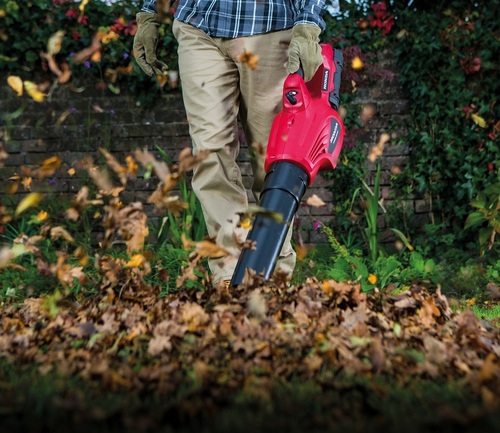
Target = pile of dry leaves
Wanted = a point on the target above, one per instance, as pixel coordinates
(129, 337)
(224, 337)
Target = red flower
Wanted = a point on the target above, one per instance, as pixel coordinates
(72, 13)
(381, 19)
(120, 25)
(490, 166)
(379, 8)
(471, 65)
(75, 35)
(467, 111)
(83, 20)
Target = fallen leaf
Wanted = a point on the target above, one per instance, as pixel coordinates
(31, 200)
(16, 83)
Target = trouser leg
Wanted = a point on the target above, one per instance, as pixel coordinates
(214, 84)
(261, 99)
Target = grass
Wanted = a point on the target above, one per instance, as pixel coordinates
(488, 312)
(32, 402)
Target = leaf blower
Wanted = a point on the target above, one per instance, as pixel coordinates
(306, 137)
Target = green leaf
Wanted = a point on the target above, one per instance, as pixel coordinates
(338, 275)
(474, 219)
(417, 261)
(359, 268)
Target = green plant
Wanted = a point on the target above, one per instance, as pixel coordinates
(406, 269)
(94, 47)
(372, 205)
(487, 216)
(446, 60)
(188, 222)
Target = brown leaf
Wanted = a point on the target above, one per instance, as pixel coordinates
(315, 201)
(257, 305)
(59, 232)
(377, 355)
(188, 161)
(208, 248)
(249, 59)
(87, 52)
(147, 159)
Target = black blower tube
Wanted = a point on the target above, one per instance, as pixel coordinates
(284, 186)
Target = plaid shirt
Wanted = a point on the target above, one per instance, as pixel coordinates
(236, 18)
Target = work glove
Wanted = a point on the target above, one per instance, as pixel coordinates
(304, 50)
(145, 42)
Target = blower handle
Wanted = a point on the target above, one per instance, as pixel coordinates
(334, 97)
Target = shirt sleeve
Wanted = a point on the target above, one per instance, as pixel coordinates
(149, 6)
(310, 11)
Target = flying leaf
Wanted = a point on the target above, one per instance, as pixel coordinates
(135, 261)
(59, 232)
(378, 149)
(210, 249)
(357, 63)
(42, 216)
(87, 52)
(33, 91)
(54, 43)
(16, 84)
(7, 254)
(148, 160)
(31, 200)
(258, 210)
(63, 117)
(113, 163)
(249, 59)
(49, 166)
(82, 7)
(315, 201)
(188, 161)
(132, 167)
(478, 120)
(301, 251)
(65, 73)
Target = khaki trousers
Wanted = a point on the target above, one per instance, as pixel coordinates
(216, 88)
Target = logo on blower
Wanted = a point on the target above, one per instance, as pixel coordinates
(334, 135)
(326, 76)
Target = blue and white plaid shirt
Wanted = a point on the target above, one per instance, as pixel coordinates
(236, 18)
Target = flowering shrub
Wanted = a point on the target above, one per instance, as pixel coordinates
(78, 43)
(381, 19)
(448, 68)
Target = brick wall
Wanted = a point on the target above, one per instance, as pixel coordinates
(74, 125)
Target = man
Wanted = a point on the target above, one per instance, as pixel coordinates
(218, 86)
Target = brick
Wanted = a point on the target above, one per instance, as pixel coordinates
(393, 107)
(37, 145)
(118, 124)
(422, 206)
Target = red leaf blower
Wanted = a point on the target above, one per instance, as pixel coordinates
(306, 137)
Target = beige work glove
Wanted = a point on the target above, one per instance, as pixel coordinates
(145, 43)
(304, 50)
